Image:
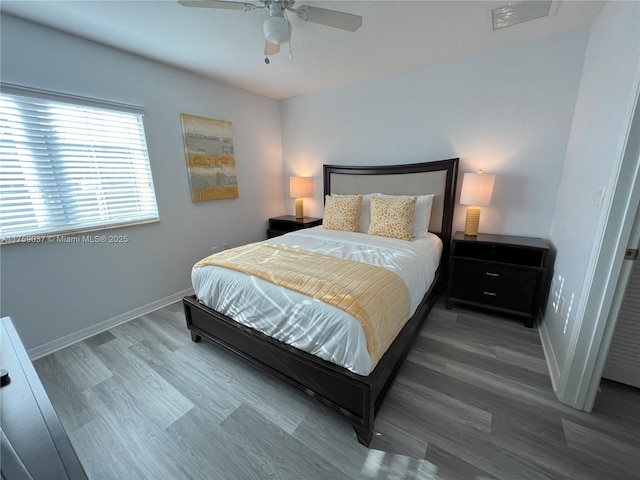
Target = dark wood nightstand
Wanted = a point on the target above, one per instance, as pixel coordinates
(289, 223)
(503, 273)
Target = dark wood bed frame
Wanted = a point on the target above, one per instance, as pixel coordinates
(356, 397)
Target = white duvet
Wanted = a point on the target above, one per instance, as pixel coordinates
(309, 324)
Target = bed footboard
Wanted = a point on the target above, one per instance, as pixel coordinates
(344, 391)
(356, 397)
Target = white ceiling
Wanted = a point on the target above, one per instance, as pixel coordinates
(227, 45)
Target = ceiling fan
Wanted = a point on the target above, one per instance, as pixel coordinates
(277, 29)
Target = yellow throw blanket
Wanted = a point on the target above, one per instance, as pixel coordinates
(375, 296)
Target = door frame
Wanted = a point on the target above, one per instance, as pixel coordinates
(612, 271)
(621, 290)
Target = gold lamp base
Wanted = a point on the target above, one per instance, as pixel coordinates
(299, 213)
(472, 221)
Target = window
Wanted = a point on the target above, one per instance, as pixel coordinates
(69, 164)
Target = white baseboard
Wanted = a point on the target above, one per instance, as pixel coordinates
(549, 355)
(60, 343)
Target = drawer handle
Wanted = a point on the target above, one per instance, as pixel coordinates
(493, 274)
(491, 294)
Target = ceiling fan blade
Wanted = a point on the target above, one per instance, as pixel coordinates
(271, 48)
(224, 4)
(330, 18)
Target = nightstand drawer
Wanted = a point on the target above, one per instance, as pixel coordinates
(493, 284)
(288, 223)
(285, 225)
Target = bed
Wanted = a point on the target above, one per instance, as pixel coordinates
(354, 389)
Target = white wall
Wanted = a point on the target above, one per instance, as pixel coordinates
(607, 95)
(508, 112)
(53, 291)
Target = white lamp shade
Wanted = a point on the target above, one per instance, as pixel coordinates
(300, 187)
(477, 188)
(276, 30)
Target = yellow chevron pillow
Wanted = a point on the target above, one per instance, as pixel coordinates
(342, 213)
(392, 217)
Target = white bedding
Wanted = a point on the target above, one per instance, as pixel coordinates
(309, 324)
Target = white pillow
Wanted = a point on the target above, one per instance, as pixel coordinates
(421, 214)
(365, 211)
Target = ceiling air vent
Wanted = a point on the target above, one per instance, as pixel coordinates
(513, 13)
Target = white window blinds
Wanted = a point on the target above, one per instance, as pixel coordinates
(70, 166)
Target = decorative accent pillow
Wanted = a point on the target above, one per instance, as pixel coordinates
(365, 210)
(342, 213)
(392, 217)
(422, 212)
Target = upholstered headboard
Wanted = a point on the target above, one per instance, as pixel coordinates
(437, 177)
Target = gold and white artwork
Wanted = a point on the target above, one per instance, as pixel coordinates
(208, 148)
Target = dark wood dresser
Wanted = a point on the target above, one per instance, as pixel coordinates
(502, 273)
(34, 443)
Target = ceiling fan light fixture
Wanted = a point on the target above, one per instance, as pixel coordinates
(276, 30)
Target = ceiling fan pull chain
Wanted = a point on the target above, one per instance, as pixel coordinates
(290, 35)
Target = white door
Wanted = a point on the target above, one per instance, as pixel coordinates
(623, 360)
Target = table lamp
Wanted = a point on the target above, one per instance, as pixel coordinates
(477, 189)
(300, 187)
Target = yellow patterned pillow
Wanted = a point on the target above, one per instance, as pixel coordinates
(342, 213)
(392, 217)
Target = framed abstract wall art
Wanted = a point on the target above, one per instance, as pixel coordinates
(211, 164)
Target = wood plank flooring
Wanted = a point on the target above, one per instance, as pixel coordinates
(473, 400)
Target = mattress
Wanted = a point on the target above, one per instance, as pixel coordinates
(308, 324)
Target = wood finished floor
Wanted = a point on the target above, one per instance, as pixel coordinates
(472, 401)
